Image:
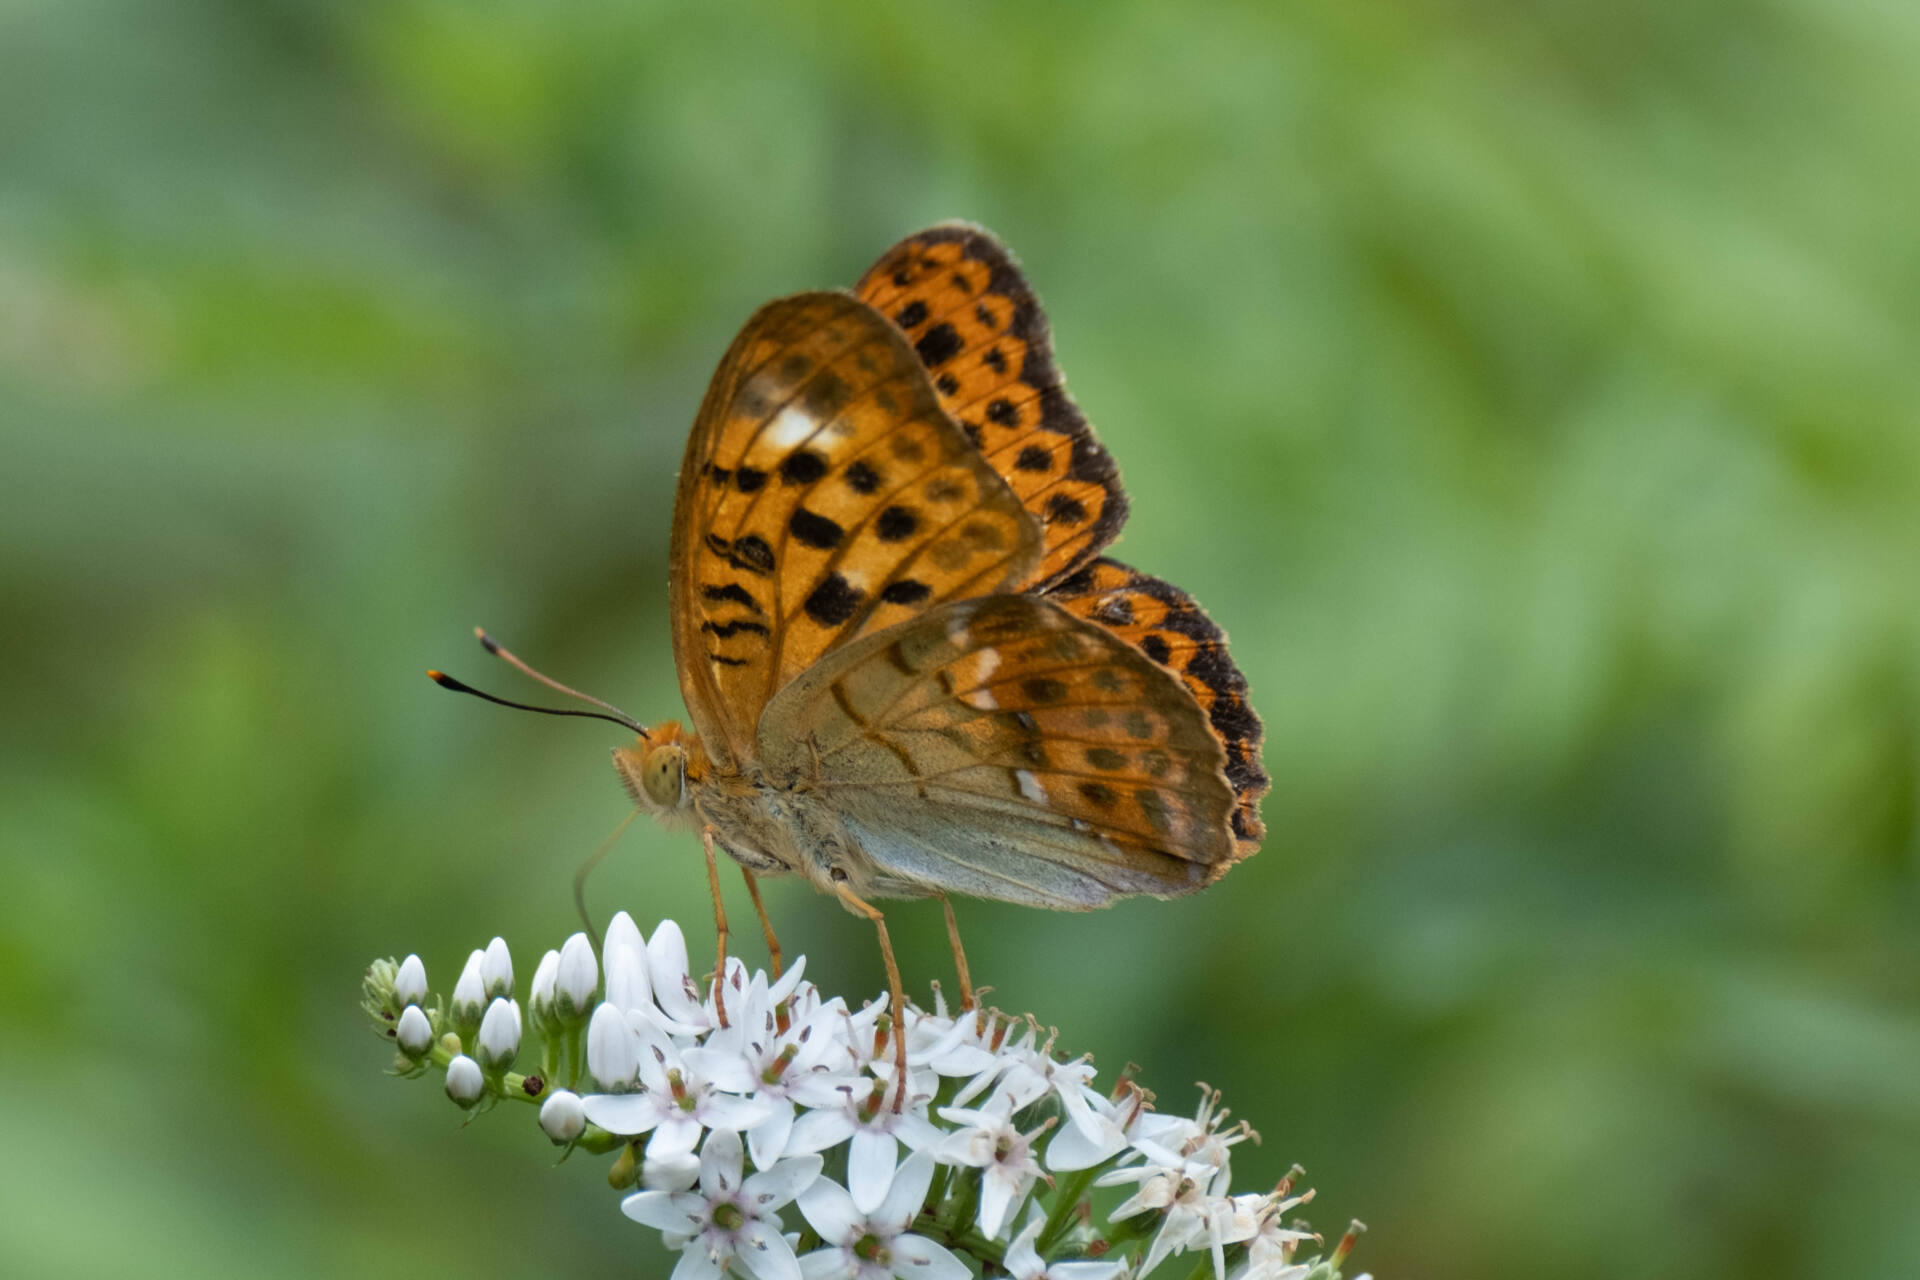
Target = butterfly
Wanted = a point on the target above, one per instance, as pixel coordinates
(909, 669)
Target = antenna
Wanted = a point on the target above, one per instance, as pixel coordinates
(446, 681)
(499, 651)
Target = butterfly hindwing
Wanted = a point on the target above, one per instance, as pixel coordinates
(1165, 624)
(824, 493)
(1004, 748)
(957, 294)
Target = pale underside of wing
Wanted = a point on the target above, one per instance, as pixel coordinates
(1002, 748)
(824, 494)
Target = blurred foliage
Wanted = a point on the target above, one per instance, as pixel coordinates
(1529, 388)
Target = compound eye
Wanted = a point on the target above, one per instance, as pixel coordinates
(665, 776)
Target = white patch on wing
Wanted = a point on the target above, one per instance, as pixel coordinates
(1030, 786)
(987, 663)
(790, 428)
(980, 699)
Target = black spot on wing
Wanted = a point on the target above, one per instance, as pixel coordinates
(938, 345)
(733, 593)
(749, 479)
(815, 530)
(913, 315)
(1034, 458)
(803, 467)
(833, 601)
(862, 478)
(752, 554)
(905, 591)
(725, 629)
(1063, 509)
(896, 523)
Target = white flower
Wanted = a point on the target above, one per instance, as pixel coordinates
(578, 975)
(496, 969)
(873, 1131)
(1097, 1132)
(562, 1118)
(1004, 1156)
(613, 1056)
(469, 994)
(415, 1033)
(1025, 1263)
(1270, 1246)
(728, 1221)
(499, 1035)
(1024, 1072)
(410, 983)
(680, 1098)
(803, 1065)
(1193, 1208)
(869, 1246)
(464, 1081)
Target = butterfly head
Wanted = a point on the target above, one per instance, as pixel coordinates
(661, 769)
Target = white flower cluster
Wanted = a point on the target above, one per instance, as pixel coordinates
(992, 1151)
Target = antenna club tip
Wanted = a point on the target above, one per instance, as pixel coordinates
(442, 679)
(487, 642)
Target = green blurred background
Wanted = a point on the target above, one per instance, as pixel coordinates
(1530, 389)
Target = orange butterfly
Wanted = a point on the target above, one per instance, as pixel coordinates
(909, 670)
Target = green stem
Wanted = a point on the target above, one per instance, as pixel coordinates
(1065, 1197)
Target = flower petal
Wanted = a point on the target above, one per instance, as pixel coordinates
(870, 1160)
(724, 1111)
(696, 1263)
(770, 1191)
(664, 1210)
(918, 1258)
(767, 1141)
(676, 1135)
(622, 1113)
(997, 1197)
(830, 1211)
(765, 1252)
(722, 1070)
(832, 1263)
(720, 1163)
(906, 1195)
(818, 1130)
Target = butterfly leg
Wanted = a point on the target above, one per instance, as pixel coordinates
(720, 929)
(766, 925)
(895, 995)
(959, 955)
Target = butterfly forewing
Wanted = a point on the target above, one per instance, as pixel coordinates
(956, 293)
(824, 493)
(1005, 748)
(1165, 623)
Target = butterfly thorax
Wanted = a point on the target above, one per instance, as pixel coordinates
(770, 825)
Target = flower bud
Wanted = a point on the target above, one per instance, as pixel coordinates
(415, 1033)
(499, 1036)
(627, 985)
(540, 996)
(465, 1084)
(622, 930)
(562, 1117)
(579, 975)
(469, 996)
(410, 983)
(496, 970)
(613, 1055)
